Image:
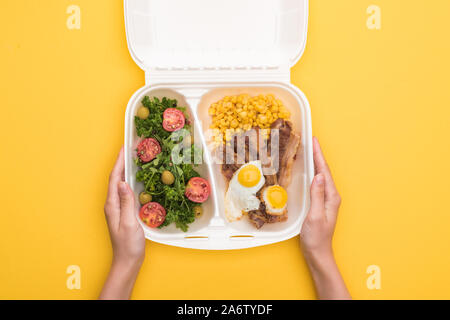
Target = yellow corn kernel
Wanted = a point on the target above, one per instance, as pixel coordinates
(262, 119)
(243, 115)
(242, 112)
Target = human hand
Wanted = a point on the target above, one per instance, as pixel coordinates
(127, 236)
(318, 229)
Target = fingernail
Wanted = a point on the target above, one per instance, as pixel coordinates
(319, 179)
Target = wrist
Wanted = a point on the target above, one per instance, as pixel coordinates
(319, 260)
(126, 265)
(121, 279)
(325, 273)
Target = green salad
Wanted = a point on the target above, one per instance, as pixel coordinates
(173, 189)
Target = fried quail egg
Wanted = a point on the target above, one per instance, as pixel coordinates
(275, 199)
(241, 194)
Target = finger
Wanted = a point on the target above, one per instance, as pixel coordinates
(112, 205)
(332, 197)
(321, 166)
(116, 175)
(127, 216)
(317, 209)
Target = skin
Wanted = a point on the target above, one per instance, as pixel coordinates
(128, 241)
(318, 229)
(127, 236)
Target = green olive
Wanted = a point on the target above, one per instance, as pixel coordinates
(167, 177)
(143, 113)
(145, 197)
(198, 211)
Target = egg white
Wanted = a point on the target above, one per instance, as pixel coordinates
(239, 199)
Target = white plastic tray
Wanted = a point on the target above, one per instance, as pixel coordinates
(199, 67)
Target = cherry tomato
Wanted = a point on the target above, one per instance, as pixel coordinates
(148, 149)
(198, 190)
(173, 119)
(152, 214)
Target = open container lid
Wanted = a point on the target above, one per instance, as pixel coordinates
(231, 40)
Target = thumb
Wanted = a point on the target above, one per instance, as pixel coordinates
(126, 202)
(318, 195)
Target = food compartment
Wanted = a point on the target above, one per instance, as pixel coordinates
(302, 170)
(131, 142)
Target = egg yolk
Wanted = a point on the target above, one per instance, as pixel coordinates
(277, 197)
(249, 176)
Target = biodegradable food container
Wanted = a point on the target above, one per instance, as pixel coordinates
(199, 51)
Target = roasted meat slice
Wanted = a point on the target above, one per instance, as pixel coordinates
(273, 219)
(232, 162)
(228, 170)
(288, 142)
(284, 133)
(287, 161)
(260, 217)
(269, 172)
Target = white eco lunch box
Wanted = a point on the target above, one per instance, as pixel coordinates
(198, 52)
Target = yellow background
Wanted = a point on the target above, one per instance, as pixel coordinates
(380, 103)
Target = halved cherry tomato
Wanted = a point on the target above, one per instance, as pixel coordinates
(173, 119)
(152, 214)
(198, 190)
(148, 149)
